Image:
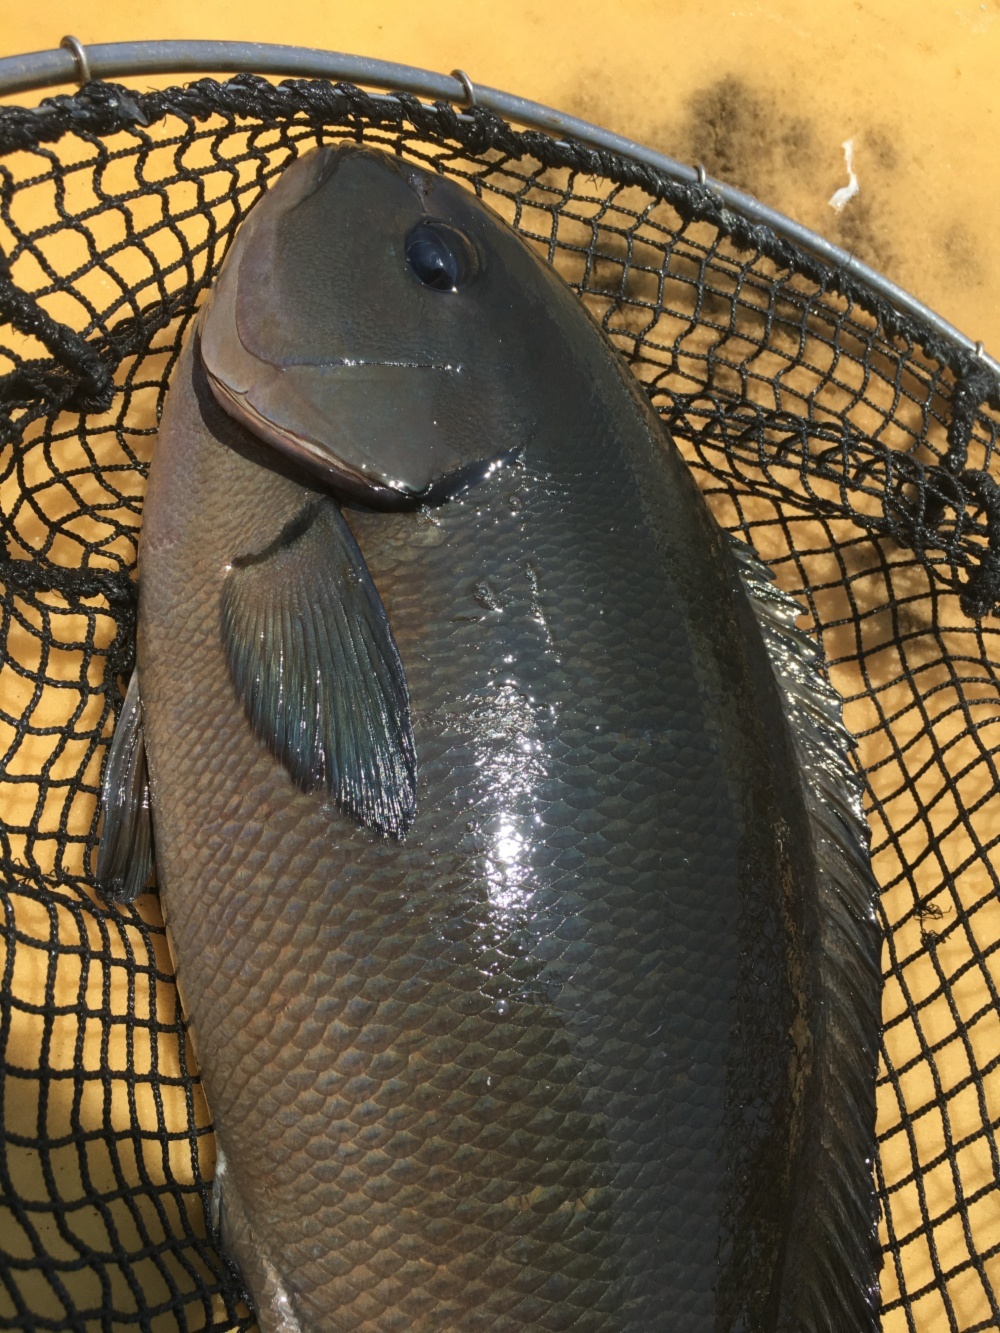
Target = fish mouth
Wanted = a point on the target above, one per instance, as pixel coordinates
(337, 475)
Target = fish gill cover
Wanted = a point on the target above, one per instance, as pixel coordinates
(848, 444)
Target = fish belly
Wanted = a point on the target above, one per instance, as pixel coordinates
(515, 1071)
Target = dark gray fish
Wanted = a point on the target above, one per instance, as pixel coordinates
(511, 859)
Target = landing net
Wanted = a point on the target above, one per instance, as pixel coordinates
(848, 443)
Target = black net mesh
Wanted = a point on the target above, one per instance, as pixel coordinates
(845, 442)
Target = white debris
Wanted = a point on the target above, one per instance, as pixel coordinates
(840, 197)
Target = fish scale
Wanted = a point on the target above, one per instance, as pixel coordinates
(548, 1060)
(307, 935)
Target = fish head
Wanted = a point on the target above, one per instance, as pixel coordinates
(378, 323)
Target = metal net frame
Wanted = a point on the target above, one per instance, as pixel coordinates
(848, 442)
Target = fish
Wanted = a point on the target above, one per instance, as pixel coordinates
(509, 847)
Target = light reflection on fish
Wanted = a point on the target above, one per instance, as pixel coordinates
(508, 848)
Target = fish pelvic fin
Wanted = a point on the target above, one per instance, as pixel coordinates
(833, 1257)
(314, 662)
(260, 1280)
(125, 847)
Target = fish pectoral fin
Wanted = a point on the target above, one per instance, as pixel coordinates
(313, 660)
(125, 848)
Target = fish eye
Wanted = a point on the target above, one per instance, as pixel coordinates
(439, 256)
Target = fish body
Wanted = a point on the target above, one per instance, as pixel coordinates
(572, 1026)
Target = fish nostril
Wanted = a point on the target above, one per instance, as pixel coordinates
(439, 256)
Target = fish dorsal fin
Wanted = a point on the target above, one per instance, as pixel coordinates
(833, 1256)
(125, 849)
(315, 665)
